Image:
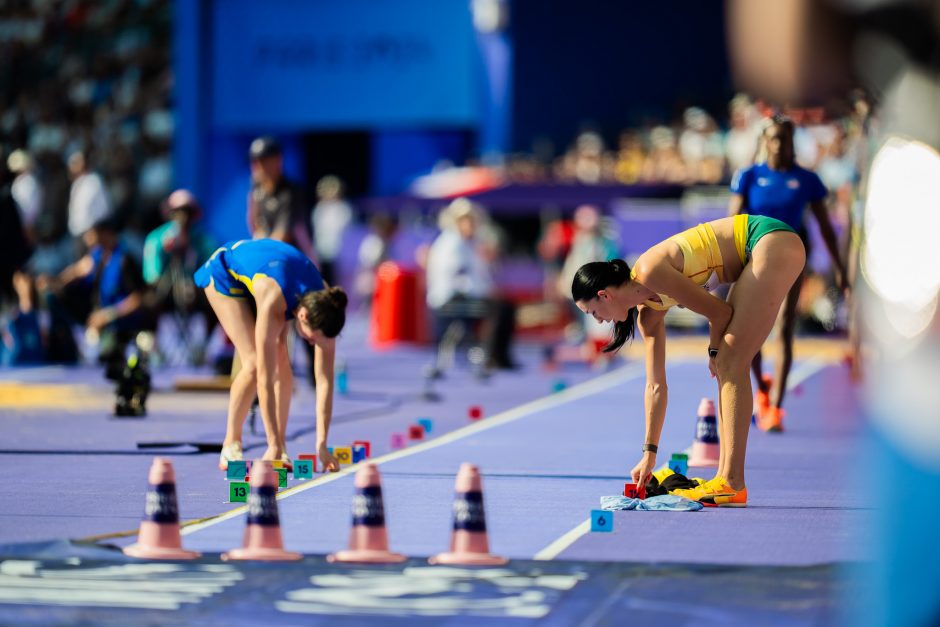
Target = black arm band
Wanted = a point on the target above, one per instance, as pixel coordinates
(650, 448)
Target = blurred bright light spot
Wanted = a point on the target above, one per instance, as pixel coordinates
(902, 232)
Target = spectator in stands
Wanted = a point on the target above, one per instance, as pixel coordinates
(55, 249)
(104, 289)
(374, 249)
(14, 249)
(460, 284)
(20, 336)
(743, 137)
(331, 217)
(664, 164)
(88, 200)
(701, 147)
(630, 158)
(27, 190)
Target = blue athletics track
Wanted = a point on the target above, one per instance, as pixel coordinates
(74, 483)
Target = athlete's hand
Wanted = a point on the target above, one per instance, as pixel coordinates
(642, 471)
(327, 459)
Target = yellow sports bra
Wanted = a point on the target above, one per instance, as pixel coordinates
(701, 256)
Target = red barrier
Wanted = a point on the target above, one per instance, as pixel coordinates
(398, 307)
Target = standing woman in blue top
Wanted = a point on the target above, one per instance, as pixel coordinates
(781, 189)
(285, 285)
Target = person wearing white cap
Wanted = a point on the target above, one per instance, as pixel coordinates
(26, 190)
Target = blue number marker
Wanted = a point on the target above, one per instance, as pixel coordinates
(236, 470)
(602, 520)
(303, 469)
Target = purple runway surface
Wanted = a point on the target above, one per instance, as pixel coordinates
(546, 459)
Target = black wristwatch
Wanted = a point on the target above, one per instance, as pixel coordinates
(650, 448)
(712, 352)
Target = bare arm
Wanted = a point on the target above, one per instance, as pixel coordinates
(324, 358)
(78, 270)
(736, 205)
(653, 328)
(270, 323)
(655, 397)
(818, 207)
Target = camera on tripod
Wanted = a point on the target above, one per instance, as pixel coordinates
(133, 383)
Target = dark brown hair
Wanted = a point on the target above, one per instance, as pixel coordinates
(599, 275)
(326, 309)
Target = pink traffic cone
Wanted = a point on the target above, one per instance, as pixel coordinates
(468, 543)
(263, 528)
(159, 536)
(368, 540)
(705, 448)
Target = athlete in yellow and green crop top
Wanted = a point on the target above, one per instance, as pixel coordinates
(762, 257)
(284, 285)
(702, 254)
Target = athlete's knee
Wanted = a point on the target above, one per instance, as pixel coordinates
(730, 363)
(249, 365)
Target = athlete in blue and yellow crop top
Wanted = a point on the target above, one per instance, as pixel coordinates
(762, 257)
(234, 267)
(284, 285)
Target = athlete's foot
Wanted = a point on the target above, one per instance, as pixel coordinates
(273, 453)
(716, 492)
(231, 452)
(771, 420)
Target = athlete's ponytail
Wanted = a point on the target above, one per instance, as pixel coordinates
(599, 275)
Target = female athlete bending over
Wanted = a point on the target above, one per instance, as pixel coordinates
(762, 257)
(284, 284)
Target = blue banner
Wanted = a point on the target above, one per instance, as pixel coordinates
(285, 64)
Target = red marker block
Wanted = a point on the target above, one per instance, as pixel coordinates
(631, 491)
(311, 457)
(475, 412)
(415, 432)
(367, 446)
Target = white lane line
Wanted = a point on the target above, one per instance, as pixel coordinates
(800, 374)
(575, 392)
(562, 543)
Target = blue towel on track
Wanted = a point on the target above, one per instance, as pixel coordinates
(669, 503)
(618, 503)
(664, 503)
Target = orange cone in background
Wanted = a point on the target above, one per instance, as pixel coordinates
(159, 536)
(368, 540)
(263, 528)
(705, 448)
(469, 544)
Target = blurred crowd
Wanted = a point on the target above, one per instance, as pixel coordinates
(698, 149)
(95, 245)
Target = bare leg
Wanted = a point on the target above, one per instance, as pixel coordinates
(787, 327)
(238, 322)
(760, 290)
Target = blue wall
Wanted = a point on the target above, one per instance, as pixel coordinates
(613, 64)
(286, 64)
